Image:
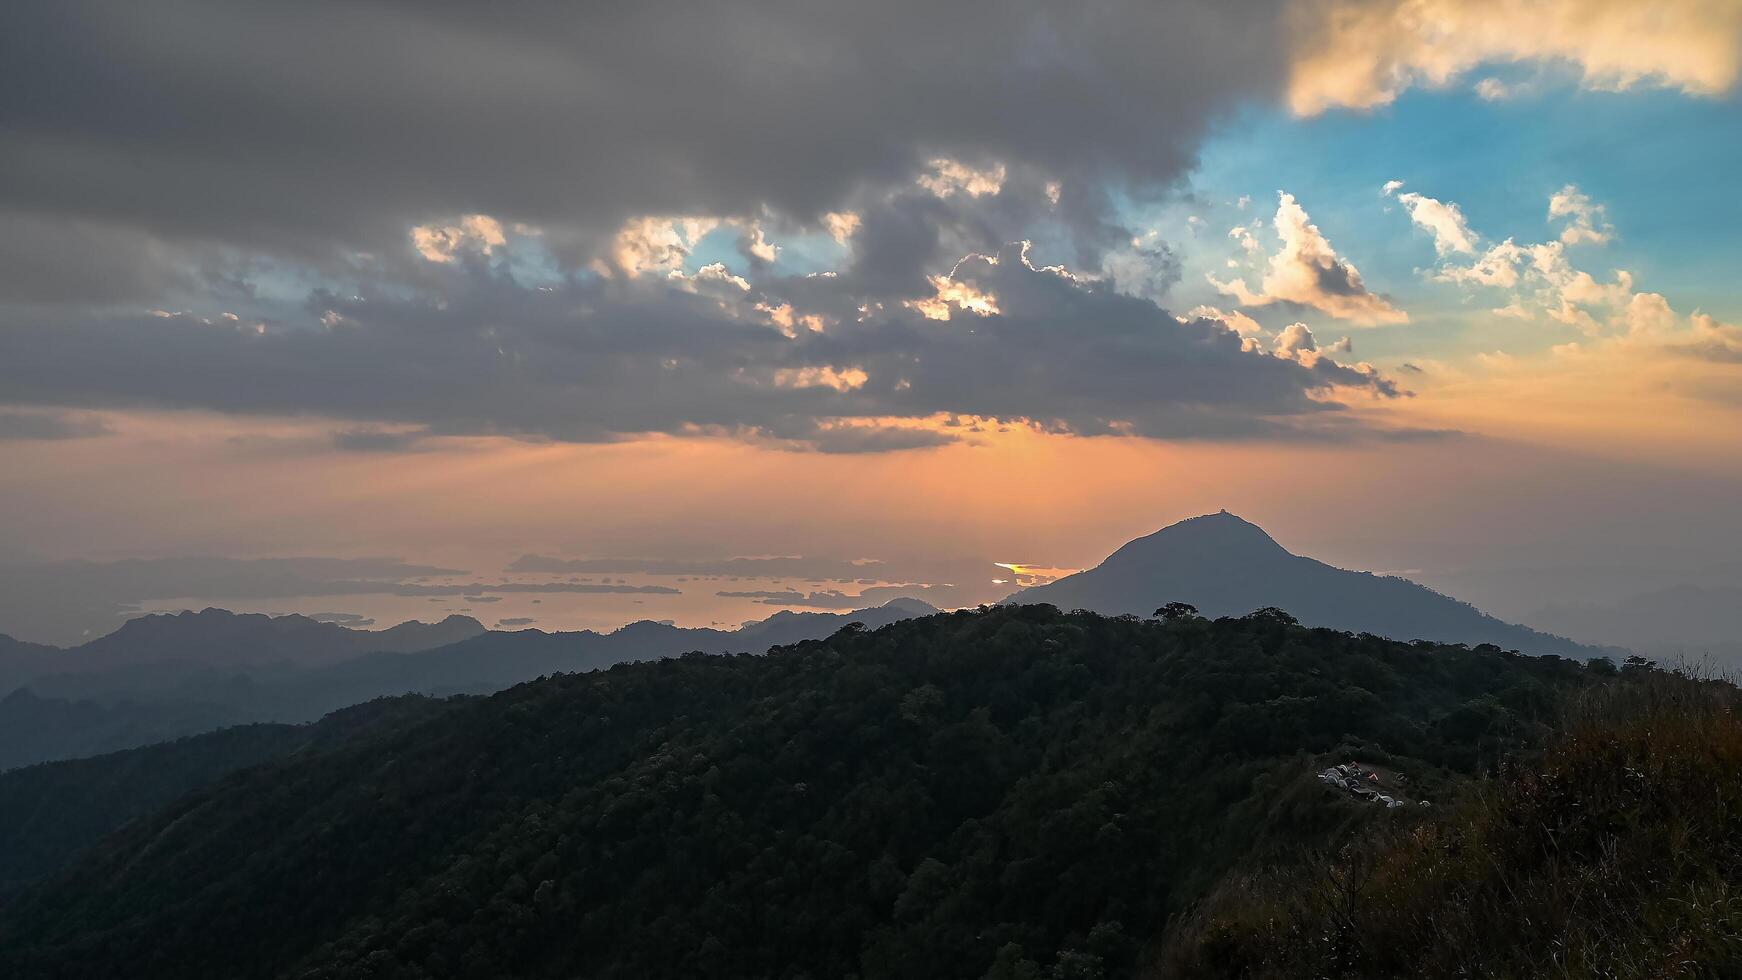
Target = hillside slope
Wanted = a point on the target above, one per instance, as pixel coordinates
(50, 812)
(1226, 566)
(1010, 790)
(1610, 854)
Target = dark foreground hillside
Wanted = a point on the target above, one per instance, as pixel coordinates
(1009, 793)
(52, 811)
(1615, 852)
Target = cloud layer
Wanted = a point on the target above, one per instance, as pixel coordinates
(881, 355)
(791, 222)
(321, 130)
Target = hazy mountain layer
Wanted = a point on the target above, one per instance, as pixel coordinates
(1685, 616)
(220, 639)
(140, 700)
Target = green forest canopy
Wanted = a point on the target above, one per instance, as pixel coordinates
(1014, 791)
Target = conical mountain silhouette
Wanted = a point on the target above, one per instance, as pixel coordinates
(1227, 566)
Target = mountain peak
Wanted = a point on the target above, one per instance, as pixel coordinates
(1228, 566)
(1223, 521)
(1218, 537)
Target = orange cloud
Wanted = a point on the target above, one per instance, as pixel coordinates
(1361, 54)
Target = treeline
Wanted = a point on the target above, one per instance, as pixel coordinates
(1012, 792)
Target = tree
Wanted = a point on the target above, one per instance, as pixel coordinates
(1173, 612)
(1273, 615)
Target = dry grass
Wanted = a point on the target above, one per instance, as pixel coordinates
(1616, 852)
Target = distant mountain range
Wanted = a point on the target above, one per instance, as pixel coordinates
(1689, 621)
(162, 677)
(166, 676)
(220, 638)
(1227, 566)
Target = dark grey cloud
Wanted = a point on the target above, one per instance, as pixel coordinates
(795, 566)
(49, 425)
(469, 590)
(211, 157)
(593, 359)
(865, 439)
(515, 621)
(318, 129)
(63, 257)
(348, 620)
(835, 599)
(377, 440)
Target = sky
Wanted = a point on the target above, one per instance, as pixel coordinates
(567, 315)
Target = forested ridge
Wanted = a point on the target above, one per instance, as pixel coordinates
(1010, 792)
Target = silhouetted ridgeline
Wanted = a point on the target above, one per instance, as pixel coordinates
(161, 677)
(194, 672)
(1226, 566)
(1017, 792)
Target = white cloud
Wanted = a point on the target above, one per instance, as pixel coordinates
(1586, 222)
(1493, 90)
(1244, 235)
(1715, 341)
(713, 274)
(1499, 267)
(953, 294)
(1235, 320)
(442, 243)
(1649, 314)
(1623, 326)
(758, 245)
(1307, 271)
(821, 376)
(789, 320)
(1294, 339)
(658, 244)
(841, 225)
(950, 177)
(1444, 221)
(1551, 283)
